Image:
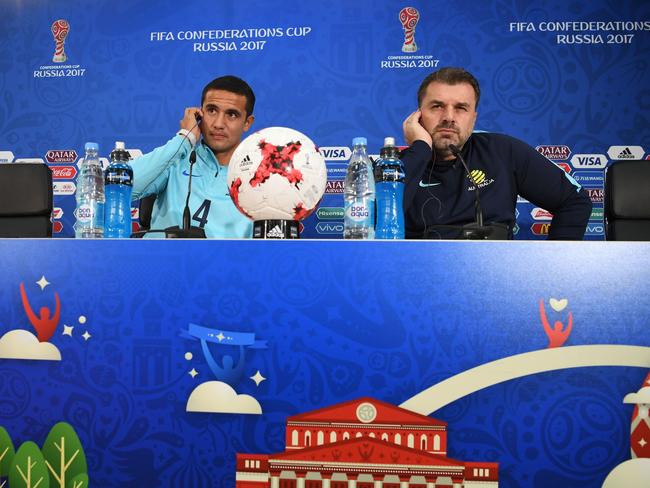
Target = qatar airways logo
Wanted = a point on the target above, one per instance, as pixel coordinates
(597, 195)
(57, 156)
(335, 186)
(554, 153)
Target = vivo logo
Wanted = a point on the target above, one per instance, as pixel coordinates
(329, 228)
(589, 161)
(336, 153)
(595, 229)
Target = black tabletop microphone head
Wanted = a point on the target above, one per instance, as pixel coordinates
(186, 210)
(479, 211)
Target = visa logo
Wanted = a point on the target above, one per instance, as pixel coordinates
(589, 161)
(329, 228)
(336, 153)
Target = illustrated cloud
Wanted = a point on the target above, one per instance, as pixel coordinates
(219, 397)
(641, 396)
(22, 344)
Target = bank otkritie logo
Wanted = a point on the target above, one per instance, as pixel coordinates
(409, 17)
(60, 30)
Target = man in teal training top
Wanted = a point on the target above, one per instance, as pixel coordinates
(213, 130)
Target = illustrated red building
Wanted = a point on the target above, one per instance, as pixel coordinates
(364, 443)
(640, 427)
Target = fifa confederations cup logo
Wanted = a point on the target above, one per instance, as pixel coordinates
(60, 29)
(409, 17)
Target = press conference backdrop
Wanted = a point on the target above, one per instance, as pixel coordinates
(569, 78)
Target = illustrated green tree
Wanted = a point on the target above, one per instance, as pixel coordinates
(79, 481)
(28, 468)
(7, 453)
(64, 456)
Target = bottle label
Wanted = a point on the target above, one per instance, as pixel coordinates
(85, 213)
(360, 212)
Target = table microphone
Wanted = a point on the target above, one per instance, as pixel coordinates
(475, 230)
(186, 231)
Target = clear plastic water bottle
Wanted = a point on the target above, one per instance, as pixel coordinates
(389, 178)
(359, 194)
(118, 179)
(90, 196)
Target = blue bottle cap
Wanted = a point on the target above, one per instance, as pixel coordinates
(91, 146)
(359, 141)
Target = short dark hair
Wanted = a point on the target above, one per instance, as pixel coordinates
(450, 76)
(234, 85)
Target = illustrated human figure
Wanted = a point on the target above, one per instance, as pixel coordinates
(228, 372)
(556, 336)
(43, 323)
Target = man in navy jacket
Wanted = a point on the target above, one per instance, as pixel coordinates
(439, 197)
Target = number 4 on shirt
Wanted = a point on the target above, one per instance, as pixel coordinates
(201, 215)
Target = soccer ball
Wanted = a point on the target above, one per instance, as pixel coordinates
(277, 173)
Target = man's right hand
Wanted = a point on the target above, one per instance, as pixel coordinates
(188, 122)
(413, 130)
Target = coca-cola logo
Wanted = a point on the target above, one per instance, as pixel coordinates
(61, 156)
(565, 166)
(57, 227)
(63, 172)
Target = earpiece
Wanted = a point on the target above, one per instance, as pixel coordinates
(198, 118)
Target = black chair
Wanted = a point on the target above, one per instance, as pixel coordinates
(145, 209)
(627, 201)
(25, 200)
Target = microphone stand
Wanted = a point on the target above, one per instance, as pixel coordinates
(187, 231)
(477, 230)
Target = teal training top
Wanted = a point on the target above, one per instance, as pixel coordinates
(165, 173)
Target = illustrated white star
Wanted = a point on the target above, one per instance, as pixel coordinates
(86, 335)
(67, 330)
(193, 373)
(642, 442)
(42, 282)
(257, 378)
(220, 336)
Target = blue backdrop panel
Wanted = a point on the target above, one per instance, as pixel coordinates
(567, 77)
(341, 320)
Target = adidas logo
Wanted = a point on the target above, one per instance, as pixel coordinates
(275, 233)
(626, 154)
